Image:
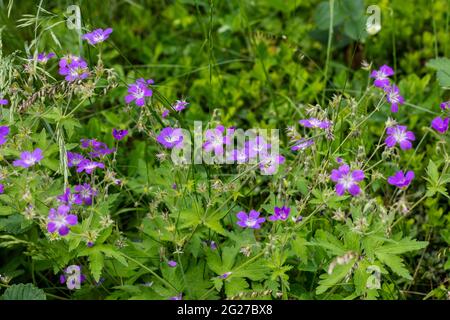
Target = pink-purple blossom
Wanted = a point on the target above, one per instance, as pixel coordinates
(381, 76)
(97, 36)
(347, 180)
(28, 159)
(445, 105)
(138, 91)
(393, 97)
(4, 102)
(302, 144)
(399, 134)
(252, 220)
(73, 68)
(44, 57)
(2, 188)
(215, 140)
(440, 125)
(85, 193)
(280, 213)
(171, 137)
(180, 105)
(269, 163)
(400, 179)
(257, 147)
(172, 263)
(4, 131)
(315, 123)
(119, 134)
(60, 220)
(89, 166)
(74, 159)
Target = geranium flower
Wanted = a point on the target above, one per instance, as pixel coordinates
(252, 220)
(180, 105)
(89, 166)
(172, 263)
(4, 131)
(445, 105)
(215, 140)
(347, 180)
(393, 97)
(4, 102)
(315, 123)
(400, 179)
(165, 113)
(85, 193)
(60, 220)
(74, 68)
(171, 137)
(269, 164)
(74, 159)
(28, 159)
(138, 91)
(302, 144)
(239, 155)
(400, 135)
(119, 134)
(44, 57)
(280, 213)
(440, 125)
(68, 198)
(2, 188)
(97, 36)
(68, 277)
(257, 146)
(382, 76)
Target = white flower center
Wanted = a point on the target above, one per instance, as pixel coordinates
(347, 181)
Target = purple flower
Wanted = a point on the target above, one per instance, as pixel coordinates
(401, 180)
(280, 213)
(85, 193)
(68, 277)
(225, 275)
(215, 140)
(68, 198)
(315, 123)
(138, 91)
(2, 188)
(213, 245)
(172, 263)
(74, 159)
(28, 159)
(97, 36)
(60, 220)
(257, 146)
(165, 113)
(170, 137)
(302, 144)
(251, 220)
(393, 97)
(119, 134)
(74, 68)
(99, 148)
(44, 57)
(445, 105)
(400, 135)
(89, 166)
(178, 297)
(239, 155)
(4, 102)
(440, 125)
(269, 164)
(4, 131)
(180, 105)
(381, 76)
(346, 180)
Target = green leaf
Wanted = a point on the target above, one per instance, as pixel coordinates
(442, 65)
(96, 263)
(402, 246)
(329, 280)
(24, 292)
(395, 263)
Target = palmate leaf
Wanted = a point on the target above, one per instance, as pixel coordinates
(395, 263)
(402, 246)
(442, 65)
(329, 280)
(24, 292)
